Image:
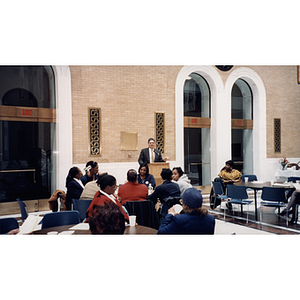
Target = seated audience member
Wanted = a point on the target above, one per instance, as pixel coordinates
(108, 185)
(107, 219)
(74, 186)
(144, 177)
(92, 170)
(132, 190)
(295, 199)
(181, 179)
(193, 219)
(90, 189)
(165, 190)
(230, 175)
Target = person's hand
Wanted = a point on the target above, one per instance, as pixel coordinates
(171, 211)
(14, 231)
(166, 158)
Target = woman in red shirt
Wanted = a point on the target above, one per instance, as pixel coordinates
(108, 185)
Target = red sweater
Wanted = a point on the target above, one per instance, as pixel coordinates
(100, 200)
(132, 192)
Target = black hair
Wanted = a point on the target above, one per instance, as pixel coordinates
(105, 180)
(131, 175)
(147, 169)
(91, 163)
(166, 174)
(107, 219)
(72, 174)
(230, 163)
(179, 170)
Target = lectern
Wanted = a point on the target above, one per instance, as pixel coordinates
(155, 170)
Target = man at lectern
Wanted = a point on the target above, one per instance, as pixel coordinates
(150, 155)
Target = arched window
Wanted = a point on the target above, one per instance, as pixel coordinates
(197, 129)
(242, 126)
(27, 127)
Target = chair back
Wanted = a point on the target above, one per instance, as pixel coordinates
(144, 211)
(217, 187)
(81, 206)
(23, 208)
(8, 224)
(275, 194)
(236, 191)
(60, 218)
(293, 179)
(250, 178)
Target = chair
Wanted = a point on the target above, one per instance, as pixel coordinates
(23, 208)
(144, 211)
(60, 218)
(81, 206)
(273, 197)
(8, 224)
(293, 179)
(238, 195)
(218, 194)
(168, 203)
(250, 178)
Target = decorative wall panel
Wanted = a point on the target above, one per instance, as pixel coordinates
(94, 134)
(160, 131)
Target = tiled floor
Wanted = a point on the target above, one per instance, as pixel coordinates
(271, 222)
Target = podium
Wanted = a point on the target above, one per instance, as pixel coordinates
(155, 170)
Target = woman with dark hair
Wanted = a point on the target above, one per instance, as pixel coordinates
(107, 219)
(181, 179)
(193, 218)
(108, 185)
(144, 177)
(92, 170)
(74, 186)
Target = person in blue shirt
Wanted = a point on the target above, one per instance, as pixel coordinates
(193, 218)
(144, 177)
(92, 172)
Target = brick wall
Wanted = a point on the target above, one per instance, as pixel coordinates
(128, 97)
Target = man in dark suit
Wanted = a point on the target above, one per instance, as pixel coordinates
(150, 155)
(165, 190)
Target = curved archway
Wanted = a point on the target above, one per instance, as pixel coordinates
(218, 149)
(259, 114)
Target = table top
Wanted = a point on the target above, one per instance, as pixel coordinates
(258, 185)
(67, 229)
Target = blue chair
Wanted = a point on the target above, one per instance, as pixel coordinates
(238, 195)
(273, 197)
(218, 195)
(23, 208)
(8, 224)
(61, 218)
(81, 206)
(250, 178)
(293, 179)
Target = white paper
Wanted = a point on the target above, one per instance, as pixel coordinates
(30, 224)
(81, 226)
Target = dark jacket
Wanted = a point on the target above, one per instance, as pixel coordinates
(187, 224)
(85, 179)
(74, 190)
(165, 190)
(144, 158)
